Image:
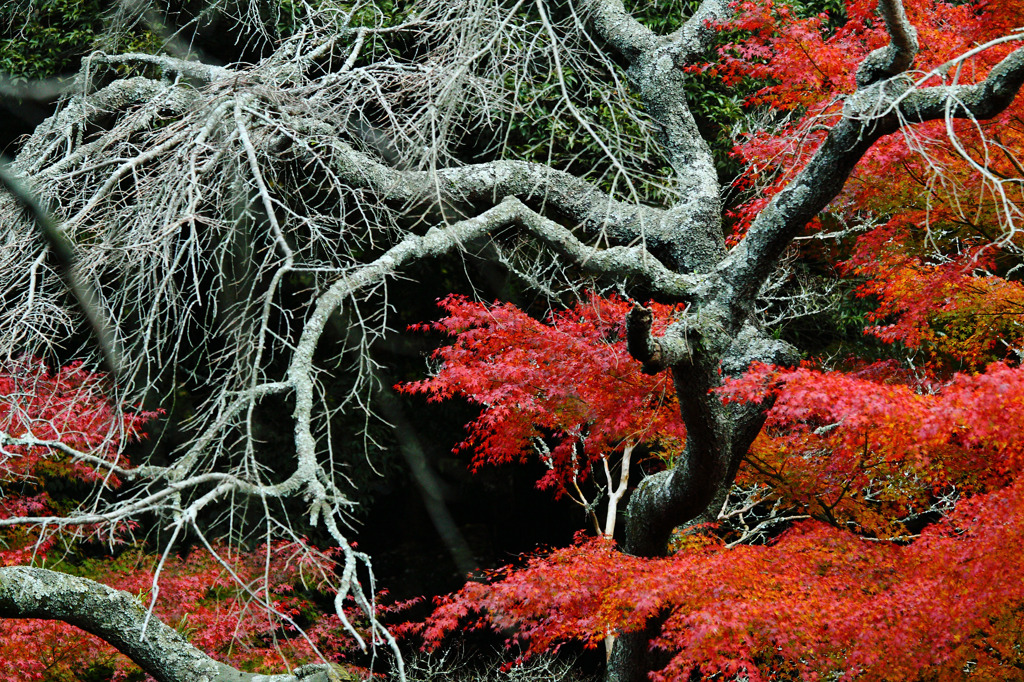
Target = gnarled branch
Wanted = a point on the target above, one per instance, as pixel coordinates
(121, 620)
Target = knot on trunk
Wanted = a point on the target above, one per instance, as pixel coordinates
(656, 354)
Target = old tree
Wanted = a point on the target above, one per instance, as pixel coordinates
(239, 228)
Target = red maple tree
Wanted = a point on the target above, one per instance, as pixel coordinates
(875, 531)
(864, 456)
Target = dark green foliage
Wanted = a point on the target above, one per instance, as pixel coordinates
(46, 38)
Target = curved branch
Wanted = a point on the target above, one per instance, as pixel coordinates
(631, 261)
(594, 211)
(119, 619)
(696, 34)
(622, 31)
(693, 228)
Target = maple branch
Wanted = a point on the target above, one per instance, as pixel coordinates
(750, 262)
(898, 55)
(119, 619)
(739, 517)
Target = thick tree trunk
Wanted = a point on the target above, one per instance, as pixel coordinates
(693, 492)
(632, 658)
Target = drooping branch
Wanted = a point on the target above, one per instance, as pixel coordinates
(120, 619)
(593, 211)
(624, 261)
(182, 490)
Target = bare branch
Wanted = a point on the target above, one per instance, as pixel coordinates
(693, 227)
(169, 66)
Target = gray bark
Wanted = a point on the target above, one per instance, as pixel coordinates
(119, 619)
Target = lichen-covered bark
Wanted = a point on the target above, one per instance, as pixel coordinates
(120, 619)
